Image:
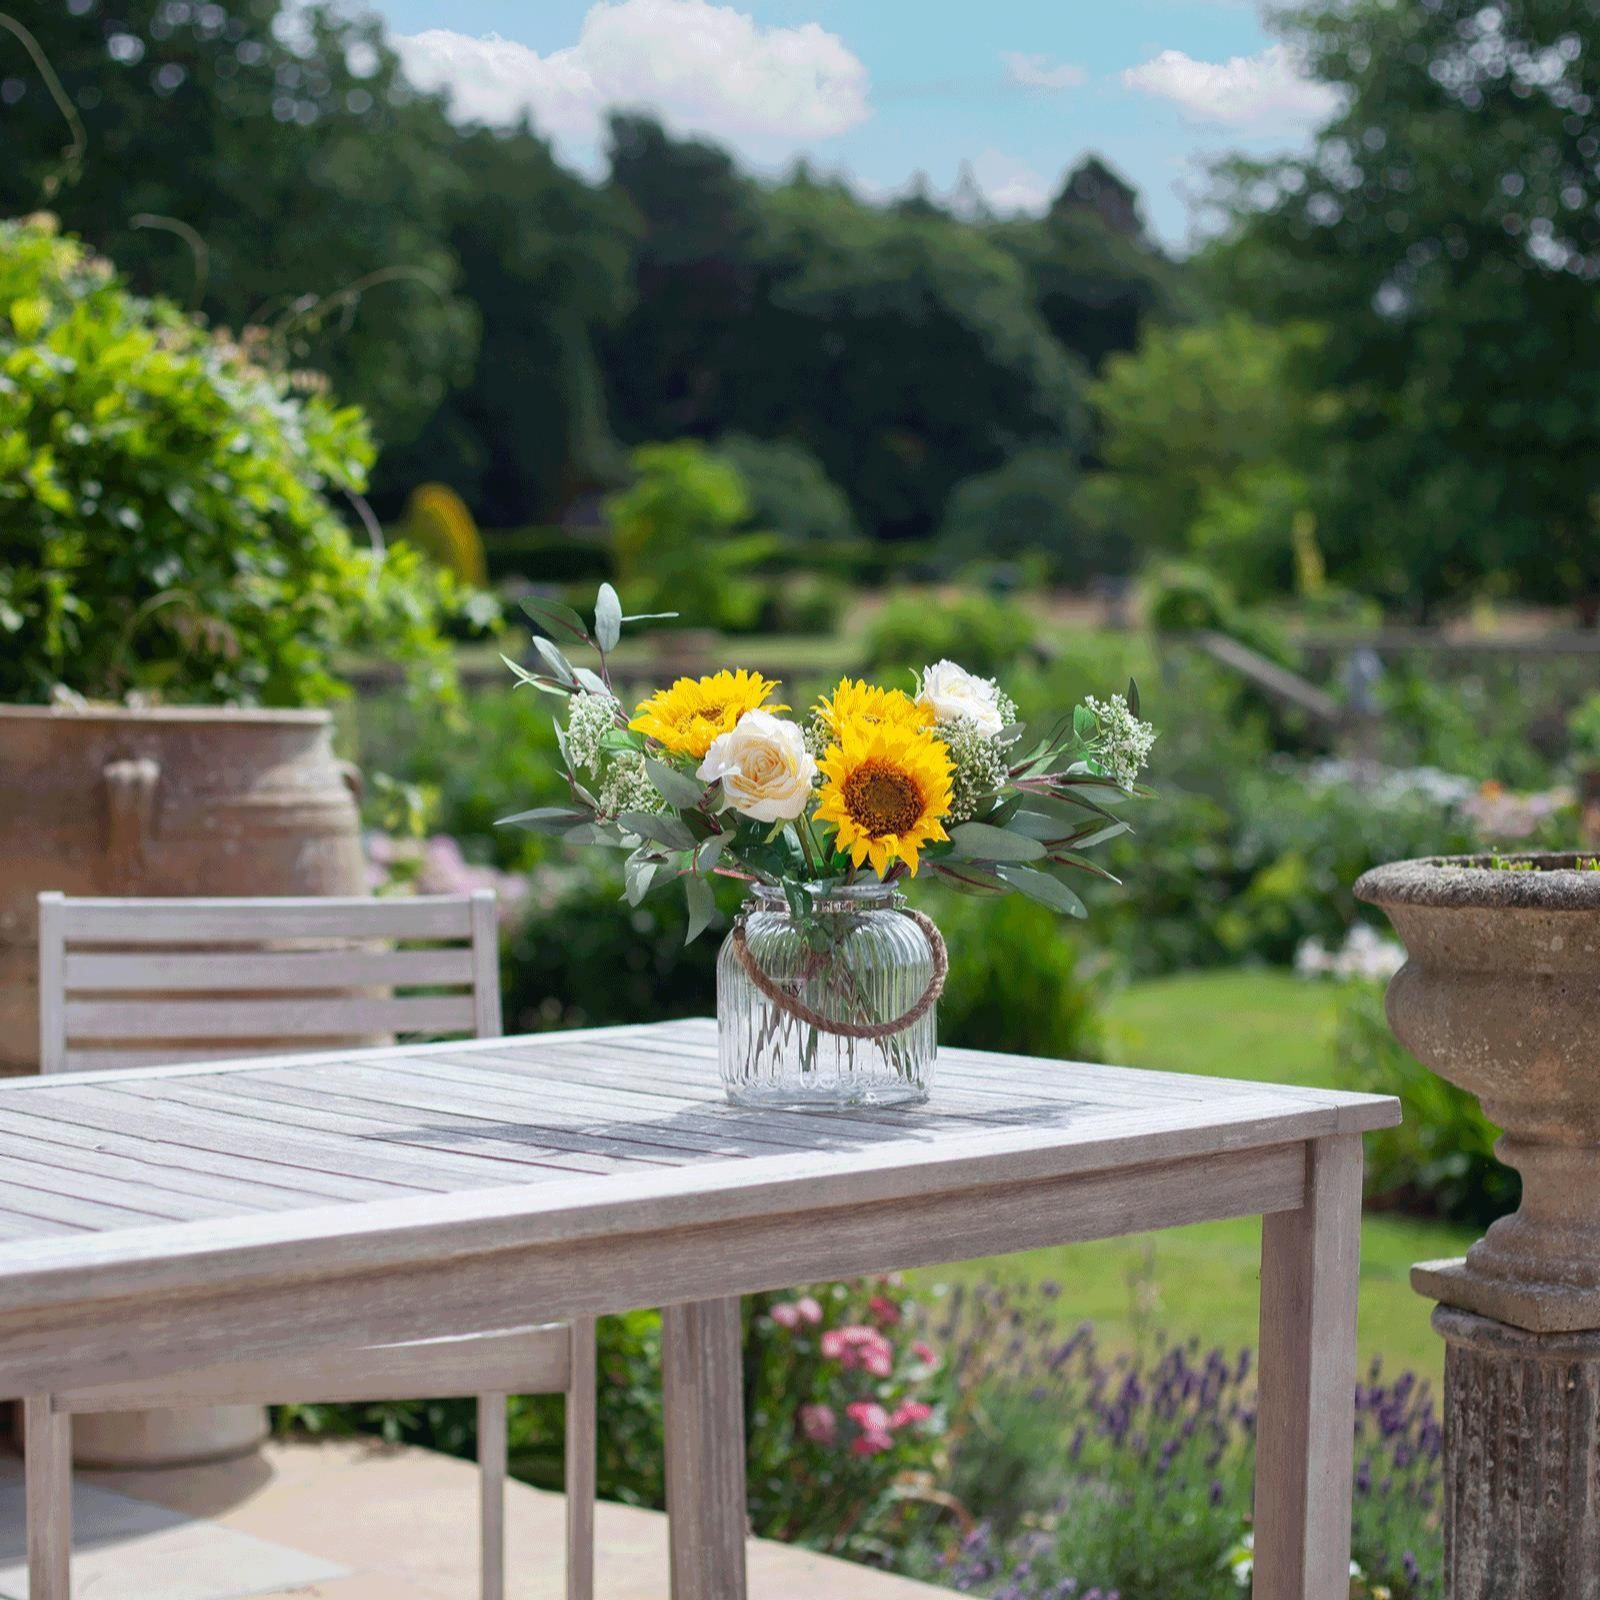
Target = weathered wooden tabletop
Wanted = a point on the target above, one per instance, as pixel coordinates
(155, 1218)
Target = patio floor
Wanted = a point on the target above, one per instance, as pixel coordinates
(401, 1524)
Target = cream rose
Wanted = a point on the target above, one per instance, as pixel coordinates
(764, 767)
(953, 694)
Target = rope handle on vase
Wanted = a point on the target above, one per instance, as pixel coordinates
(799, 1010)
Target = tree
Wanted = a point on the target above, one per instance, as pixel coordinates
(546, 260)
(1095, 276)
(789, 491)
(262, 163)
(1201, 428)
(1446, 228)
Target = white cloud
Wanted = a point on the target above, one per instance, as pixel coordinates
(704, 68)
(1009, 185)
(1268, 89)
(1040, 72)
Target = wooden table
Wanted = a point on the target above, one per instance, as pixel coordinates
(158, 1218)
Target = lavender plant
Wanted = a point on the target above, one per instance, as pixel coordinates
(1129, 1478)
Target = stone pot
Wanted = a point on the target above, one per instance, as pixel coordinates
(107, 801)
(1500, 994)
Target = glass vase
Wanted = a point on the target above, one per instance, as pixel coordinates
(834, 1008)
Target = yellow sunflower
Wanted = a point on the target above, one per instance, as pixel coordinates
(886, 785)
(687, 717)
(855, 701)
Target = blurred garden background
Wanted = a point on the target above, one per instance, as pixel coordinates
(332, 381)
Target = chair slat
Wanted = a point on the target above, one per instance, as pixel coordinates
(258, 970)
(522, 1361)
(182, 1019)
(250, 921)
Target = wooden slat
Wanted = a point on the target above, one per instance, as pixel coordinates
(450, 1143)
(250, 921)
(252, 971)
(91, 1181)
(247, 1174)
(265, 1019)
(92, 1163)
(517, 1361)
(109, 1059)
(22, 1198)
(540, 1143)
(179, 1126)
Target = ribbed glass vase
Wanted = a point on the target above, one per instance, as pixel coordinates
(857, 963)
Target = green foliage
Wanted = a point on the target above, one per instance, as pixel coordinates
(1445, 231)
(677, 536)
(789, 490)
(1441, 1158)
(1196, 425)
(1018, 981)
(1026, 511)
(803, 602)
(165, 521)
(1583, 729)
(985, 635)
(269, 167)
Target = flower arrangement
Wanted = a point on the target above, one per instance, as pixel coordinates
(710, 777)
(827, 982)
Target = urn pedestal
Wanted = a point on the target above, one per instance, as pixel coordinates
(1500, 995)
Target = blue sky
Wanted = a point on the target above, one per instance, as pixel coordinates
(882, 90)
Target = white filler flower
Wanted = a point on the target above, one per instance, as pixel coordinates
(953, 694)
(764, 767)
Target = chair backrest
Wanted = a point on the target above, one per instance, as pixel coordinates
(126, 983)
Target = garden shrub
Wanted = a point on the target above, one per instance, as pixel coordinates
(166, 520)
(790, 490)
(1441, 1159)
(803, 602)
(985, 635)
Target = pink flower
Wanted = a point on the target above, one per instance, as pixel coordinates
(859, 1346)
(809, 1310)
(910, 1411)
(868, 1415)
(818, 1424)
(884, 1309)
(925, 1353)
(786, 1314)
(871, 1444)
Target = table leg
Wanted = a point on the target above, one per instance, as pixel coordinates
(702, 1392)
(1305, 1425)
(48, 1446)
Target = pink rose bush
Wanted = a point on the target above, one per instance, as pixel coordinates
(864, 1429)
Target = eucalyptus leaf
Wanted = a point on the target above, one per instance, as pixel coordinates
(1042, 887)
(554, 659)
(1133, 697)
(977, 841)
(652, 616)
(967, 878)
(557, 620)
(607, 618)
(601, 833)
(1085, 724)
(710, 851)
(664, 830)
(592, 681)
(1070, 858)
(544, 819)
(676, 788)
(523, 675)
(639, 875)
(702, 906)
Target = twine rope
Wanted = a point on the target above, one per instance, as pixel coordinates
(798, 1009)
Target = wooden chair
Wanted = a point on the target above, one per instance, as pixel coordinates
(136, 982)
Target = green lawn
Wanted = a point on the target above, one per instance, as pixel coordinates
(1204, 1280)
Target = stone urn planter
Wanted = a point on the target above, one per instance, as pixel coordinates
(107, 801)
(1500, 994)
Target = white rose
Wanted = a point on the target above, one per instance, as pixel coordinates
(764, 767)
(951, 693)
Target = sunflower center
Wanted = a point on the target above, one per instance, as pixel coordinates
(710, 713)
(882, 799)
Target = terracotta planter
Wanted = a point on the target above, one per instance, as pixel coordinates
(170, 802)
(179, 802)
(1500, 994)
